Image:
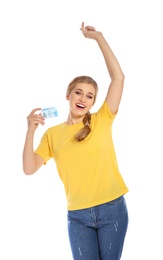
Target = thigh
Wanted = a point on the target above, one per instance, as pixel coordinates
(112, 229)
(82, 237)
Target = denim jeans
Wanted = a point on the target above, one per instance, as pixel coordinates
(98, 233)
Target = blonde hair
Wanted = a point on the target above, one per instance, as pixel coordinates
(84, 132)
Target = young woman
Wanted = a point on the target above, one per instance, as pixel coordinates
(84, 154)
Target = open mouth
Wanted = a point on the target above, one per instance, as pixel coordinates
(80, 106)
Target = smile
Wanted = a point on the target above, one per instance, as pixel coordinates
(80, 105)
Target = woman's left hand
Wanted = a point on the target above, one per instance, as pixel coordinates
(89, 31)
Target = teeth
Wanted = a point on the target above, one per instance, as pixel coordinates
(80, 105)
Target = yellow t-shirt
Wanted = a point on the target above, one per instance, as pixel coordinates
(88, 169)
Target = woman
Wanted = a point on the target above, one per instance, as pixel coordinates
(84, 154)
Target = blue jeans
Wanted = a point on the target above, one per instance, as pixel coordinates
(98, 233)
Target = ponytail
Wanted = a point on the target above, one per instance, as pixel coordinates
(84, 132)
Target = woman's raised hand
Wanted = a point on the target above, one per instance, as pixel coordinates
(89, 31)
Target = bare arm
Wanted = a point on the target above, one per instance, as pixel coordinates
(31, 161)
(115, 89)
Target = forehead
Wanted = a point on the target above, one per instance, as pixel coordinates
(85, 87)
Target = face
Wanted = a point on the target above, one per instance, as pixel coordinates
(81, 99)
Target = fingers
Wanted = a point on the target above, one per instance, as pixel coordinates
(35, 119)
(90, 28)
(82, 26)
(34, 110)
(87, 28)
(89, 31)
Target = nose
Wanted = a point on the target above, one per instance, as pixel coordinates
(82, 98)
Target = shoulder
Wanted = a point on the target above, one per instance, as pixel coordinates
(53, 130)
(55, 127)
(104, 112)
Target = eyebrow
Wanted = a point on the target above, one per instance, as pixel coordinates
(82, 91)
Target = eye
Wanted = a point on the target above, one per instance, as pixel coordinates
(77, 92)
(91, 97)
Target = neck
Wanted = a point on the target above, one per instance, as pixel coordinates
(72, 121)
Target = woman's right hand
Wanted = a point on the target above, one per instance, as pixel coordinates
(34, 120)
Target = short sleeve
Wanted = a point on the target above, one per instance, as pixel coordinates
(43, 148)
(104, 112)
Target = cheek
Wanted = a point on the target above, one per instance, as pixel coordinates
(91, 103)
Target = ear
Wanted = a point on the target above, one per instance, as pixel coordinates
(67, 97)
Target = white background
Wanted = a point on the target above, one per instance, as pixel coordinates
(41, 50)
